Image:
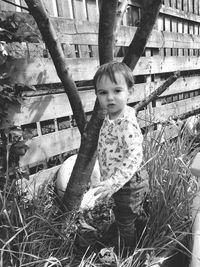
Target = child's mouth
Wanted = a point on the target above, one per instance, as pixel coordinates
(111, 105)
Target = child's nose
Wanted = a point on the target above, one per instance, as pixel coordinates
(110, 96)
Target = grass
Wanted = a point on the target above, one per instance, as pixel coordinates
(36, 233)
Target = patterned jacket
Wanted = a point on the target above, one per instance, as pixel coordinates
(119, 149)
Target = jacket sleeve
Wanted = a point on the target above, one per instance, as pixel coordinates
(131, 139)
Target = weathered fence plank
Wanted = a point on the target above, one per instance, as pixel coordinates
(42, 70)
(52, 106)
(43, 147)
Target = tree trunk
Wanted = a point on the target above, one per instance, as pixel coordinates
(106, 30)
(84, 164)
(150, 13)
(38, 11)
(83, 167)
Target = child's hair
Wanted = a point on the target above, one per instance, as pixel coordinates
(110, 69)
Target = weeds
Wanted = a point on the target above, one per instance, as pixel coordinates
(35, 232)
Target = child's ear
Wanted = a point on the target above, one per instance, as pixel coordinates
(130, 91)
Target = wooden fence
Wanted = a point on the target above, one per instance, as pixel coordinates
(174, 45)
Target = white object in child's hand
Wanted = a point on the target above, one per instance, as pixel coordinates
(89, 199)
(195, 166)
(65, 171)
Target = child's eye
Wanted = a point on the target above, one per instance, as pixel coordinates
(102, 92)
(117, 91)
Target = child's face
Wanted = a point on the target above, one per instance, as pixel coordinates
(112, 96)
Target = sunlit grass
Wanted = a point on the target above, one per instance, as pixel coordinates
(36, 233)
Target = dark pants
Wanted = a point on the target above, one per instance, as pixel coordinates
(129, 205)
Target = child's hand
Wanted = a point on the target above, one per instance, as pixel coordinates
(104, 191)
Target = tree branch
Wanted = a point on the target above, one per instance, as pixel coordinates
(38, 11)
(157, 92)
(87, 153)
(149, 15)
(106, 30)
(187, 114)
(83, 167)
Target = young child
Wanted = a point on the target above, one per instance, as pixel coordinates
(120, 148)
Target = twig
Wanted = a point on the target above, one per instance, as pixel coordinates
(157, 92)
(187, 114)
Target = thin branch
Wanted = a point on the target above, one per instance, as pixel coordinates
(157, 92)
(150, 13)
(11, 3)
(187, 114)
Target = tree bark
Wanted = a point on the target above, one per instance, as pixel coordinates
(149, 15)
(106, 30)
(84, 165)
(38, 11)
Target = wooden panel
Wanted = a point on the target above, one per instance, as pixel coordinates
(92, 13)
(46, 107)
(68, 50)
(179, 4)
(162, 65)
(45, 146)
(167, 25)
(73, 32)
(41, 71)
(65, 25)
(174, 24)
(128, 18)
(84, 51)
(166, 3)
(41, 108)
(162, 113)
(23, 3)
(196, 7)
(79, 9)
(191, 28)
(156, 40)
(185, 5)
(65, 9)
(185, 27)
(196, 29)
(49, 6)
(199, 9)
(183, 84)
(180, 26)
(190, 6)
(160, 23)
(7, 7)
(179, 13)
(173, 3)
